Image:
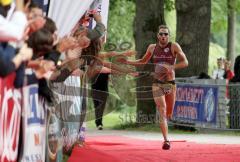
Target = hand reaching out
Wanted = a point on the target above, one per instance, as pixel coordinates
(121, 60)
(44, 67)
(67, 43)
(26, 53)
(83, 41)
(129, 53)
(97, 17)
(134, 74)
(164, 72)
(169, 68)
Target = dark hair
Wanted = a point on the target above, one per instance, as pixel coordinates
(92, 51)
(204, 75)
(50, 25)
(41, 41)
(34, 5)
(4, 10)
(237, 66)
(236, 77)
(27, 1)
(163, 27)
(220, 59)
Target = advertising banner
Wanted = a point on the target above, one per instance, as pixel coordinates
(10, 115)
(196, 103)
(33, 126)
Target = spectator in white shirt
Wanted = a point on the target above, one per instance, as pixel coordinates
(219, 72)
(13, 29)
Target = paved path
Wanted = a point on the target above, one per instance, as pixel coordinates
(199, 138)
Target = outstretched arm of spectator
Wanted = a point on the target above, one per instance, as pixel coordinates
(98, 30)
(9, 66)
(113, 54)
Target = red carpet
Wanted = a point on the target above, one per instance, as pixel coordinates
(123, 149)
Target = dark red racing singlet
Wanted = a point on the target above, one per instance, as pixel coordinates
(163, 55)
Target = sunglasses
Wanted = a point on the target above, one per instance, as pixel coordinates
(161, 34)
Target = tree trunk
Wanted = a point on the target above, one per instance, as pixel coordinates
(149, 15)
(231, 30)
(193, 34)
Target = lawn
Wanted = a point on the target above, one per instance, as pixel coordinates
(126, 121)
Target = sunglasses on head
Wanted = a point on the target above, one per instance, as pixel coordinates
(161, 34)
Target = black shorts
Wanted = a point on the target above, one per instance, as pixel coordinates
(164, 82)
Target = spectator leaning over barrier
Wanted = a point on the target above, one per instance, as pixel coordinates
(10, 58)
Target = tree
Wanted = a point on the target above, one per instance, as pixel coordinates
(149, 15)
(120, 21)
(219, 22)
(231, 32)
(193, 33)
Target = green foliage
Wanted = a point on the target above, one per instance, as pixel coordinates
(169, 5)
(170, 18)
(120, 21)
(234, 4)
(109, 120)
(237, 37)
(219, 22)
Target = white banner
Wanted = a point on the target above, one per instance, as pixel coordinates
(66, 13)
(33, 126)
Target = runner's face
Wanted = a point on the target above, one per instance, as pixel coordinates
(163, 36)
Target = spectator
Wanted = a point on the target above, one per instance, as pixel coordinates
(219, 72)
(12, 29)
(228, 74)
(236, 77)
(204, 75)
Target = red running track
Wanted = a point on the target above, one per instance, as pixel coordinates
(124, 149)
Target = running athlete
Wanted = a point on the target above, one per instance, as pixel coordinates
(163, 55)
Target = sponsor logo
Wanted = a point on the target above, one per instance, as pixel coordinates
(166, 50)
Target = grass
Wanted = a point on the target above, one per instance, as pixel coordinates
(65, 158)
(109, 121)
(126, 121)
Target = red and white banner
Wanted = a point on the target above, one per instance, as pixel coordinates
(10, 115)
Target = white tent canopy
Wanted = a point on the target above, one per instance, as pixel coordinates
(66, 13)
